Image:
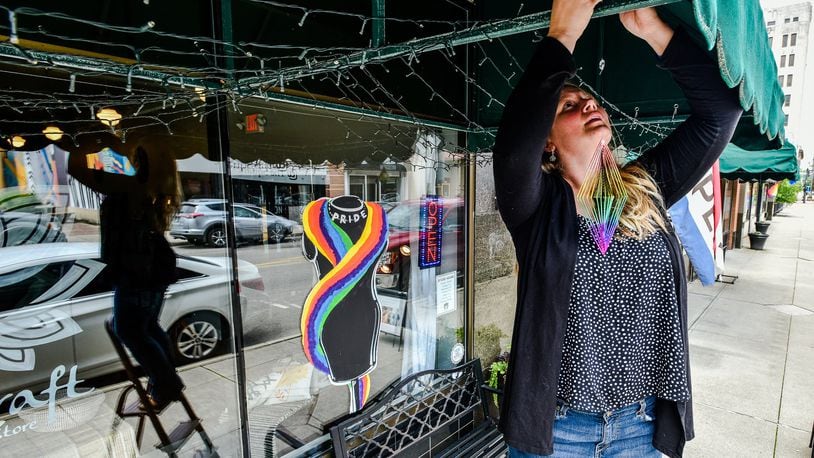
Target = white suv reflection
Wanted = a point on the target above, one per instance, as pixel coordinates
(54, 299)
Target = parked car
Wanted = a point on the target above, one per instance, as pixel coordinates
(204, 221)
(23, 227)
(54, 299)
(393, 270)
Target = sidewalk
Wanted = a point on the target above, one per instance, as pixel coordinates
(752, 347)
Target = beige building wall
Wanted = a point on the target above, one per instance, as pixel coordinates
(495, 277)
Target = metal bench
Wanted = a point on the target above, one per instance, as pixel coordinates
(435, 413)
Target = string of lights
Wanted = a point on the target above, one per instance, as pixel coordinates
(188, 91)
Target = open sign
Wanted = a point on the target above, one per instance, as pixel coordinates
(429, 241)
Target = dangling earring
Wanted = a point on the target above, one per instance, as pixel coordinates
(553, 157)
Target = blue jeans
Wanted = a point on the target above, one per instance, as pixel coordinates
(135, 322)
(626, 432)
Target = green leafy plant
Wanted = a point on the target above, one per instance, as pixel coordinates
(459, 334)
(496, 370)
(787, 193)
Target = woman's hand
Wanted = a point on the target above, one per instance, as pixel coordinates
(569, 19)
(646, 24)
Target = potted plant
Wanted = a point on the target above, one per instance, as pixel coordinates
(496, 379)
(757, 240)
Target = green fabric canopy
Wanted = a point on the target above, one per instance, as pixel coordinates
(737, 30)
(622, 68)
(739, 164)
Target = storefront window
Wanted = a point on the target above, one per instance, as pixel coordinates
(60, 376)
(404, 312)
(274, 263)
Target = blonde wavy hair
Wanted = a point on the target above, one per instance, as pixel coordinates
(644, 211)
(643, 214)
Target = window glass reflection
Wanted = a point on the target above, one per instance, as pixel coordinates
(418, 307)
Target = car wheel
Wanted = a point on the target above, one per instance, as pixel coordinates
(198, 336)
(277, 233)
(215, 237)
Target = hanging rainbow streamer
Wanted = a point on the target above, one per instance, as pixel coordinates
(363, 391)
(350, 260)
(602, 196)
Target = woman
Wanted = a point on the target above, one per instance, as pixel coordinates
(134, 215)
(599, 352)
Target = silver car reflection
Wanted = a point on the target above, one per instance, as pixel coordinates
(202, 221)
(55, 297)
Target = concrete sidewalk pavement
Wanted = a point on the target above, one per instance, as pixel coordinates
(752, 347)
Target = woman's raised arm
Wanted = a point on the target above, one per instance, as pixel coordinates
(108, 183)
(679, 161)
(530, 112)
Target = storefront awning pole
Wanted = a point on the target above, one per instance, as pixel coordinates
(377, 37)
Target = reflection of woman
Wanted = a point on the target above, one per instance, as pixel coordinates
(600, 363)
(134, 215)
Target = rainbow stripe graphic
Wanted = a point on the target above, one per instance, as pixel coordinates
(362, 391)
(602, 196)
(350, 262)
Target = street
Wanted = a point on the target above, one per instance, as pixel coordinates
(273, 314)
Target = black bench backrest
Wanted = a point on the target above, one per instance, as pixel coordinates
(406, 416)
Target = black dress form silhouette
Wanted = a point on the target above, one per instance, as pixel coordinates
(351, 330)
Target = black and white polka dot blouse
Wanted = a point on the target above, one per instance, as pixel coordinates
(623, 340)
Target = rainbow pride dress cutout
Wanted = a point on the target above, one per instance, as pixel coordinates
(341, 316)
(602, 196)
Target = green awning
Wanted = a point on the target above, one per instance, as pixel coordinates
(737, 31)
(740, 164)
(622, 68)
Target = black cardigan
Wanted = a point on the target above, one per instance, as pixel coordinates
(540, 213)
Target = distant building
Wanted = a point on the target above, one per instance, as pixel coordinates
(788, 29)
